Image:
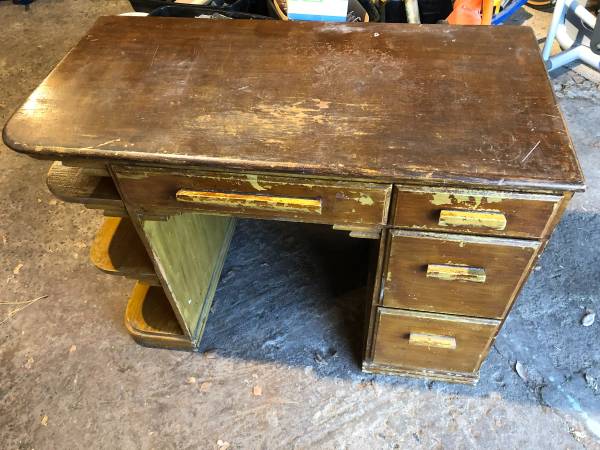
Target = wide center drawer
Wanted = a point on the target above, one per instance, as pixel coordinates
(160, 191)
(414, 340)
(455, 274)
(477, 212)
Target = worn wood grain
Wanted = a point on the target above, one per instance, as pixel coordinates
(409, 285)
(85, 186)
(470, 337)
(393, 102)
(445, 376)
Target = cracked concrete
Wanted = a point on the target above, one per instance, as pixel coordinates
(283, 319)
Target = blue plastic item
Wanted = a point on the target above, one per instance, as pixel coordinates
(513, 7)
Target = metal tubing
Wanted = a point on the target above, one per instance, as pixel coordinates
(412, 11)
(558, 17)
(558, 30)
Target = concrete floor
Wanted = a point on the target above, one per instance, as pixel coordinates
(71, 377)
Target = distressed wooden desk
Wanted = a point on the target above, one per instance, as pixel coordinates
(444, 145)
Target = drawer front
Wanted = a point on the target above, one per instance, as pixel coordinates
(465, 275)
(415, 340)
(477, 212)
(158, 191)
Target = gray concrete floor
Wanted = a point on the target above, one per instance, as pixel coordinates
(71, 377)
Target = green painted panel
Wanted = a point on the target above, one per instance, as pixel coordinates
(189, 251)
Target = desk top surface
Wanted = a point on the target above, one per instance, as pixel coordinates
(381, 102)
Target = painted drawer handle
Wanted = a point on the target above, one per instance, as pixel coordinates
(480, 219)
(432, 340)
(250, 201)
(450, 272)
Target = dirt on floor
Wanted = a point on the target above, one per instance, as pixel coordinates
(279, 364)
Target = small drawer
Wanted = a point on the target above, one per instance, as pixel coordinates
(478, 212)
(415, 341)
(465, 275)
(160, 191)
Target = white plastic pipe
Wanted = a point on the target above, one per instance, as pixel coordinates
(558, 30)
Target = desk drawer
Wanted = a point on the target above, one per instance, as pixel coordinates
(465, 275)
(159, 191)
(416, 341)
(478, 212)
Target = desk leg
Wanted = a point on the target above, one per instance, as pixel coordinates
(188, 251)
(377, 263)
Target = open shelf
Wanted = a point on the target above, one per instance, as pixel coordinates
(118, 250)
(151, 321)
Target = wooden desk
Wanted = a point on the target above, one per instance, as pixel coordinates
(444, 145)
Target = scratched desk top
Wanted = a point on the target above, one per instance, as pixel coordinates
(380, 102)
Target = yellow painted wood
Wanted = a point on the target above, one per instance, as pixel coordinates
(432, 340)
(250, 201)
(117, 250)
(482, 219)
(150, 321)
(450, 272)
(99, 254)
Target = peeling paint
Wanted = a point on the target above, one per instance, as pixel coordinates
(483, 219)
(365, 200)
(473, 201)
(456, 272)
(253, 180)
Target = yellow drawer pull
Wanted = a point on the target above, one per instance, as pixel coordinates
(432, 340)
(481, 219)
(250, 201)
(450, 272)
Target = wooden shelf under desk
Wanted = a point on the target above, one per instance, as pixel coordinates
(151, 321)
(118, 250)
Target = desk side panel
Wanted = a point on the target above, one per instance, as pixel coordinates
(188, 251)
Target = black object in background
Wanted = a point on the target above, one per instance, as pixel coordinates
(430, 11)
(180, 10)
(258, 7)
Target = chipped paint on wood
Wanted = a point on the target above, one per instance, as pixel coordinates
(466, 239)
(440, 375)
(365, 234)
(451, 272)
(250, 201)
(365, 200)
(155, 188)
(466, 200)
(481, 219)
(253, 180)
(432, 340)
